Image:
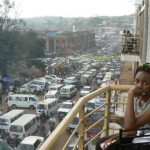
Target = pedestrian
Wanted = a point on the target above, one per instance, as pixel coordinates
(137, 111)
(124, 43)
(52, 122)
(98, 82)
(130, 41)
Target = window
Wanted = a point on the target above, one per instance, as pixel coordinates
(31, 123)
(31, 99)
(37, 143)
(10, 98)
(23, 99)
(16, 128)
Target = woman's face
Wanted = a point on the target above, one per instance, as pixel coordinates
(142, 80)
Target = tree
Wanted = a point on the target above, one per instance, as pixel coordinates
(7, 8)
(9, 47)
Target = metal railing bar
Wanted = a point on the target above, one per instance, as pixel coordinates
(98, 134)
(71, 136)
(87, 115)
(93, 125)
(76, 143)
(61, 128)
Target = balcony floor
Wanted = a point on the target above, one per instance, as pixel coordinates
(126, 76)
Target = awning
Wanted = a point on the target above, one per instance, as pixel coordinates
(8, 79)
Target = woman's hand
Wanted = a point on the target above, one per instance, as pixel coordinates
(108, 142)
(135, 92)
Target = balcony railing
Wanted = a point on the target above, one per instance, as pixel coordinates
(131, 44)
(84, 125)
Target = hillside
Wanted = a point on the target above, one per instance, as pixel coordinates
(66, 24)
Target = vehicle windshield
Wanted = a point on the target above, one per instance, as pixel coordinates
(25, 147)
(68, 106)
(37, 82)
(3, 121)
(41, 106)
(64, 90)
(15, 128)
(86, 89)
(49, 96)
(53, 88)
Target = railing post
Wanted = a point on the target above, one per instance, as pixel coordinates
(107, 113)
(81, 129)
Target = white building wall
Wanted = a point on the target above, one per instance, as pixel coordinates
(148, 39)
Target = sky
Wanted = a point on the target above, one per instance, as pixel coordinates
(76, 8)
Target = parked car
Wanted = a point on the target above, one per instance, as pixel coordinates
(52, 94)
(56, 87)
(40, 82)
(24, 88)
(31, 143)
(35, 89)
(53, 79)
(86, 90)
(73, 124)
(64, 108)
(68, 91)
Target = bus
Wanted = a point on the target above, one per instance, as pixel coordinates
(24, 126)
(7, 118)
(48, 107)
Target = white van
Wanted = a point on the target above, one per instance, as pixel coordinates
(52, 94)
(56, 87)
(31, 143)
(85, 79)
(68, 91)
(22, 100)
(24, 126)
(41, 82)
(64, 108)
(47, 107)
(7, 118)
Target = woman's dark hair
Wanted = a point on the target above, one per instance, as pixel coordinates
(143, 68)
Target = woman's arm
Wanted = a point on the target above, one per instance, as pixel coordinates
(132, 120)
(129, 118)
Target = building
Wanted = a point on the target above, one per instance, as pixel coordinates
(67, 43)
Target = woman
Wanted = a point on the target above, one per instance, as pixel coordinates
(137, 114)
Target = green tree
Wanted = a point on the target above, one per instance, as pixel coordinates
(9, 47)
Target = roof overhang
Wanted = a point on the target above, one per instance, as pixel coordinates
(130, 57)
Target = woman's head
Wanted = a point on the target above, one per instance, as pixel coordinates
(142, 78)
(143, 68)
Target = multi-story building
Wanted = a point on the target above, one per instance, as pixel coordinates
(69, 42)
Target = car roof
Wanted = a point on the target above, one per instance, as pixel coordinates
(67, 102)
(68, 86)
(56, 86)
(87, 86)
(23, 95)
(48, 100)
(51, 92)
(31, 139)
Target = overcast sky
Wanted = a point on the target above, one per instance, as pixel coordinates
(76, 8)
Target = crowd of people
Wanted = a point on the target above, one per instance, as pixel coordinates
(129, 42)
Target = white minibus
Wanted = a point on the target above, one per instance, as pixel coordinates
(7, 118)
(24, 126)
(52, 94)
(22, 100)
(47, 107)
